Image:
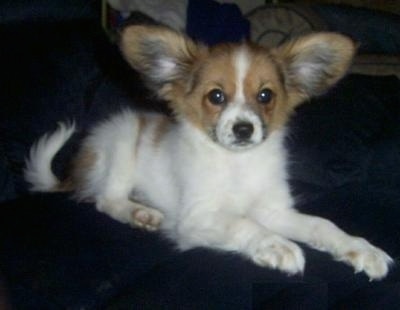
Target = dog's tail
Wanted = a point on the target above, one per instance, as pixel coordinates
(38, 170)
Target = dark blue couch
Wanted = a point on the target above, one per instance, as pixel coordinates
(58, 254)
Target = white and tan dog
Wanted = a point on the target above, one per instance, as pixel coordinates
(213, 175)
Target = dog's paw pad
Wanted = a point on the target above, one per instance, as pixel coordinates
(279, 253)
(364, 257)
(146, 218)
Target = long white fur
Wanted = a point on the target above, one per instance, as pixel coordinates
(38, 170)
(200, 193)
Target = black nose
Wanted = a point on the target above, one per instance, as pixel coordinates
(243, 130)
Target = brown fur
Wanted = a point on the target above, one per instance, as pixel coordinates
(294, 71)
(215, 71)
(161, 129)
(263, 73)
(83, 161)
(218, 71)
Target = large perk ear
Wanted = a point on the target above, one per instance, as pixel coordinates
(313, 63)
(162, 55)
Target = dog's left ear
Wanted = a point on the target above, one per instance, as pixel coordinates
(313, 63)
(162, 55)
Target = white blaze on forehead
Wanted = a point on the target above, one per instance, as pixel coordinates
(241, 65)
(237, 111)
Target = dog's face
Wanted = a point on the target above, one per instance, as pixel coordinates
(235, 93)
(234, 96)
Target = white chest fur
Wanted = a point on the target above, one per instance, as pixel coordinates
(188, 171)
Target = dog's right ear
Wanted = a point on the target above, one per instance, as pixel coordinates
(163, 56)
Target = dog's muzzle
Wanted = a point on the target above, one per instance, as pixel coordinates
(245, 135)
(243, 131)
(239, 129)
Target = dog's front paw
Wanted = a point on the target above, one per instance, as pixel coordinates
(278, 253)
(147, 218)
(365, 257)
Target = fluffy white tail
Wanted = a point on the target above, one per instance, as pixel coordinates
(38, 170)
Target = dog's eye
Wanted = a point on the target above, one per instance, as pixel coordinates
(264, 96)
(216, 96)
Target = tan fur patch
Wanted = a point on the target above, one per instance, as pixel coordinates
(214, 72)
(163, 122)
(154, 51)
(86, 159)
(83, 161)
(66, 185)
(81, 164)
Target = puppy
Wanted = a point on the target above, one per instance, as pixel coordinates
(214, 174)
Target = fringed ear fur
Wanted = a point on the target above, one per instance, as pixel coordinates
(310, 65)
(162, 55)
(314, 63)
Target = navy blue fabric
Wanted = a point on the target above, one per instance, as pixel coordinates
(7, 187)
(22, 11)
(58, 254)
(358, 140)
(69, 255)
(376, 32)
(212, 22)
(56, 72)
(47, 70)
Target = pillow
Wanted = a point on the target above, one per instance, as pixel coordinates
(273, 24)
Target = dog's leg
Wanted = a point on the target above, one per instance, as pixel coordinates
(114, 191)
(110, 176)
(130, 212)
(324, 235)
(114, 200)
(240, 234)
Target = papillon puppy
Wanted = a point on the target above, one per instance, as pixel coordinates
(214, 174)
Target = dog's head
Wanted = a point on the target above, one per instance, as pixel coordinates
(235, 93)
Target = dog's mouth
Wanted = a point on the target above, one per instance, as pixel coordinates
(241, 146)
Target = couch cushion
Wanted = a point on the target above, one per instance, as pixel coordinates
(273, 24)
